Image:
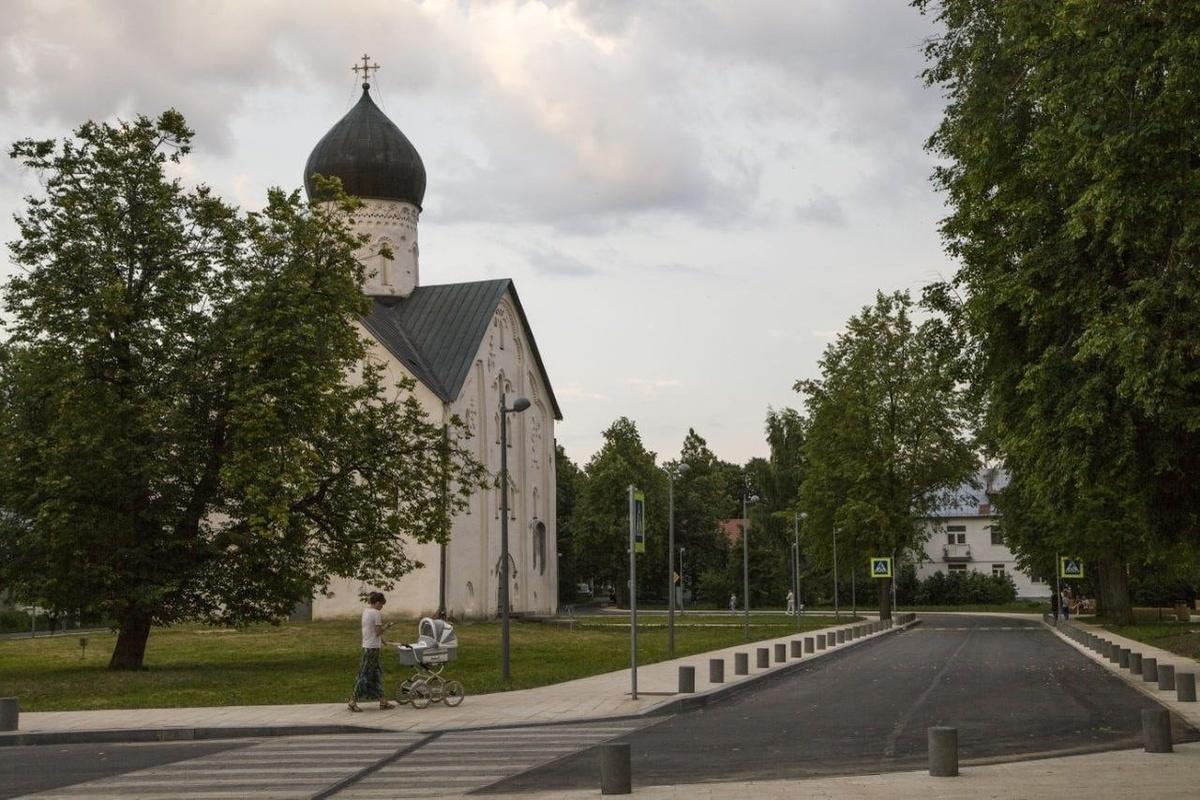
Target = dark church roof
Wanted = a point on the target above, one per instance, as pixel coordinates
(370, 155)
(437, 330)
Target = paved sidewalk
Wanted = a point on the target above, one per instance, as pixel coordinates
(1115, 774)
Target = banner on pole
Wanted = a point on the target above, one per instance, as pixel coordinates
(638, 522)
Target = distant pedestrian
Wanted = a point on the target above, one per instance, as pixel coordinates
(733, 604)
(1054, 605)
(791, 603)
(369, 684)
(1065, 604)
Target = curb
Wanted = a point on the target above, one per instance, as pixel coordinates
(181, 734)
(677, 705)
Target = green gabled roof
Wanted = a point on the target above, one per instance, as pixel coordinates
(437, 330)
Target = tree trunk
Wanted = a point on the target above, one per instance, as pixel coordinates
(885, 598)
(1112, 590)
(130, 652)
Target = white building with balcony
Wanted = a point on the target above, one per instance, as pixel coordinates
(967, 536)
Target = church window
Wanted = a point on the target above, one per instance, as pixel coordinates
(539, 548)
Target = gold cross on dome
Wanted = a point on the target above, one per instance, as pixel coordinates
(367, 68)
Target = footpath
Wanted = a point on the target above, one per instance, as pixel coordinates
(1120, 774)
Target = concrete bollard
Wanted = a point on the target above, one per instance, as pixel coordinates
(764, 657)
(1135, 663)
(1150, 669)
(797, 648)
(809, 644)
(1114, 652)
(780, 652)
(820, 641)
(716, 670)
(616, 777)
(741, 663)
(687, 679)
(10, 711)
(943, 752)
(1123, 658)
(1156, 730)
(1166, 677)
(1185, 687)
(841, 636)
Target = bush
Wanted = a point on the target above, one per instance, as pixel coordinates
(965, 588)
(18, 622)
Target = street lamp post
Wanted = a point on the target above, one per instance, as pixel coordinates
(682, 575)
(519, 405)
(803, 515)
(671, 475)
(836, 612)
(746, 563)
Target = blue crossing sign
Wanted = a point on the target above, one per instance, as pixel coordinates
(1070, 568)
(881, 567)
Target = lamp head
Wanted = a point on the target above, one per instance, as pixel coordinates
(519, 405)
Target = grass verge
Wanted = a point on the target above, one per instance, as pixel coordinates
(315, 662)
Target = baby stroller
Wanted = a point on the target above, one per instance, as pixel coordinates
(436, 645)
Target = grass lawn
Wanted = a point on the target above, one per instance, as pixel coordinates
(1153, 628)
(315, 662)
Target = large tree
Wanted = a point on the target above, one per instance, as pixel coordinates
(700, 507)
(887, 436)
(601, 521)
(1071, 163)
(568, 481)
(189, 425)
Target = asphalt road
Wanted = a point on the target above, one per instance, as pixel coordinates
(1011, 688)
(24, 770)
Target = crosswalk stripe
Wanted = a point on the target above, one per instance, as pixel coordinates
(400, 765)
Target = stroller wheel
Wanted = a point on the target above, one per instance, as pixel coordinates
(420, 695)
(402, 692)
(453, 694)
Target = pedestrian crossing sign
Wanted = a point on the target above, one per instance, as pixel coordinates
(1070, 568)
(881, 568)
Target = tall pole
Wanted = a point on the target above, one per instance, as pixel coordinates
(745, 571)
(682, 575)
(520, 404)
(746, 565)
(836, 611)
(671, 475)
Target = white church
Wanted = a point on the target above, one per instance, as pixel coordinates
(466, 345)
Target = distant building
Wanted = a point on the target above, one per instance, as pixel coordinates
(732, 528)
(967, 536)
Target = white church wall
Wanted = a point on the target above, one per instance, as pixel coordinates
(473, 554)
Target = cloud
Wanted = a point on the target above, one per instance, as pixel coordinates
(653, 387)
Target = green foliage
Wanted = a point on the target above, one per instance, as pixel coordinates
(315, 662)
(886, 441)
(568, 479)
(965, 588)
(1070, 157)
(700, 506)
(191, 428)
(602, 513)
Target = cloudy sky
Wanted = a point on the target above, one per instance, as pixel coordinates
(693, 196)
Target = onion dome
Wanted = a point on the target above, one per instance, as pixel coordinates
(371, 156)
